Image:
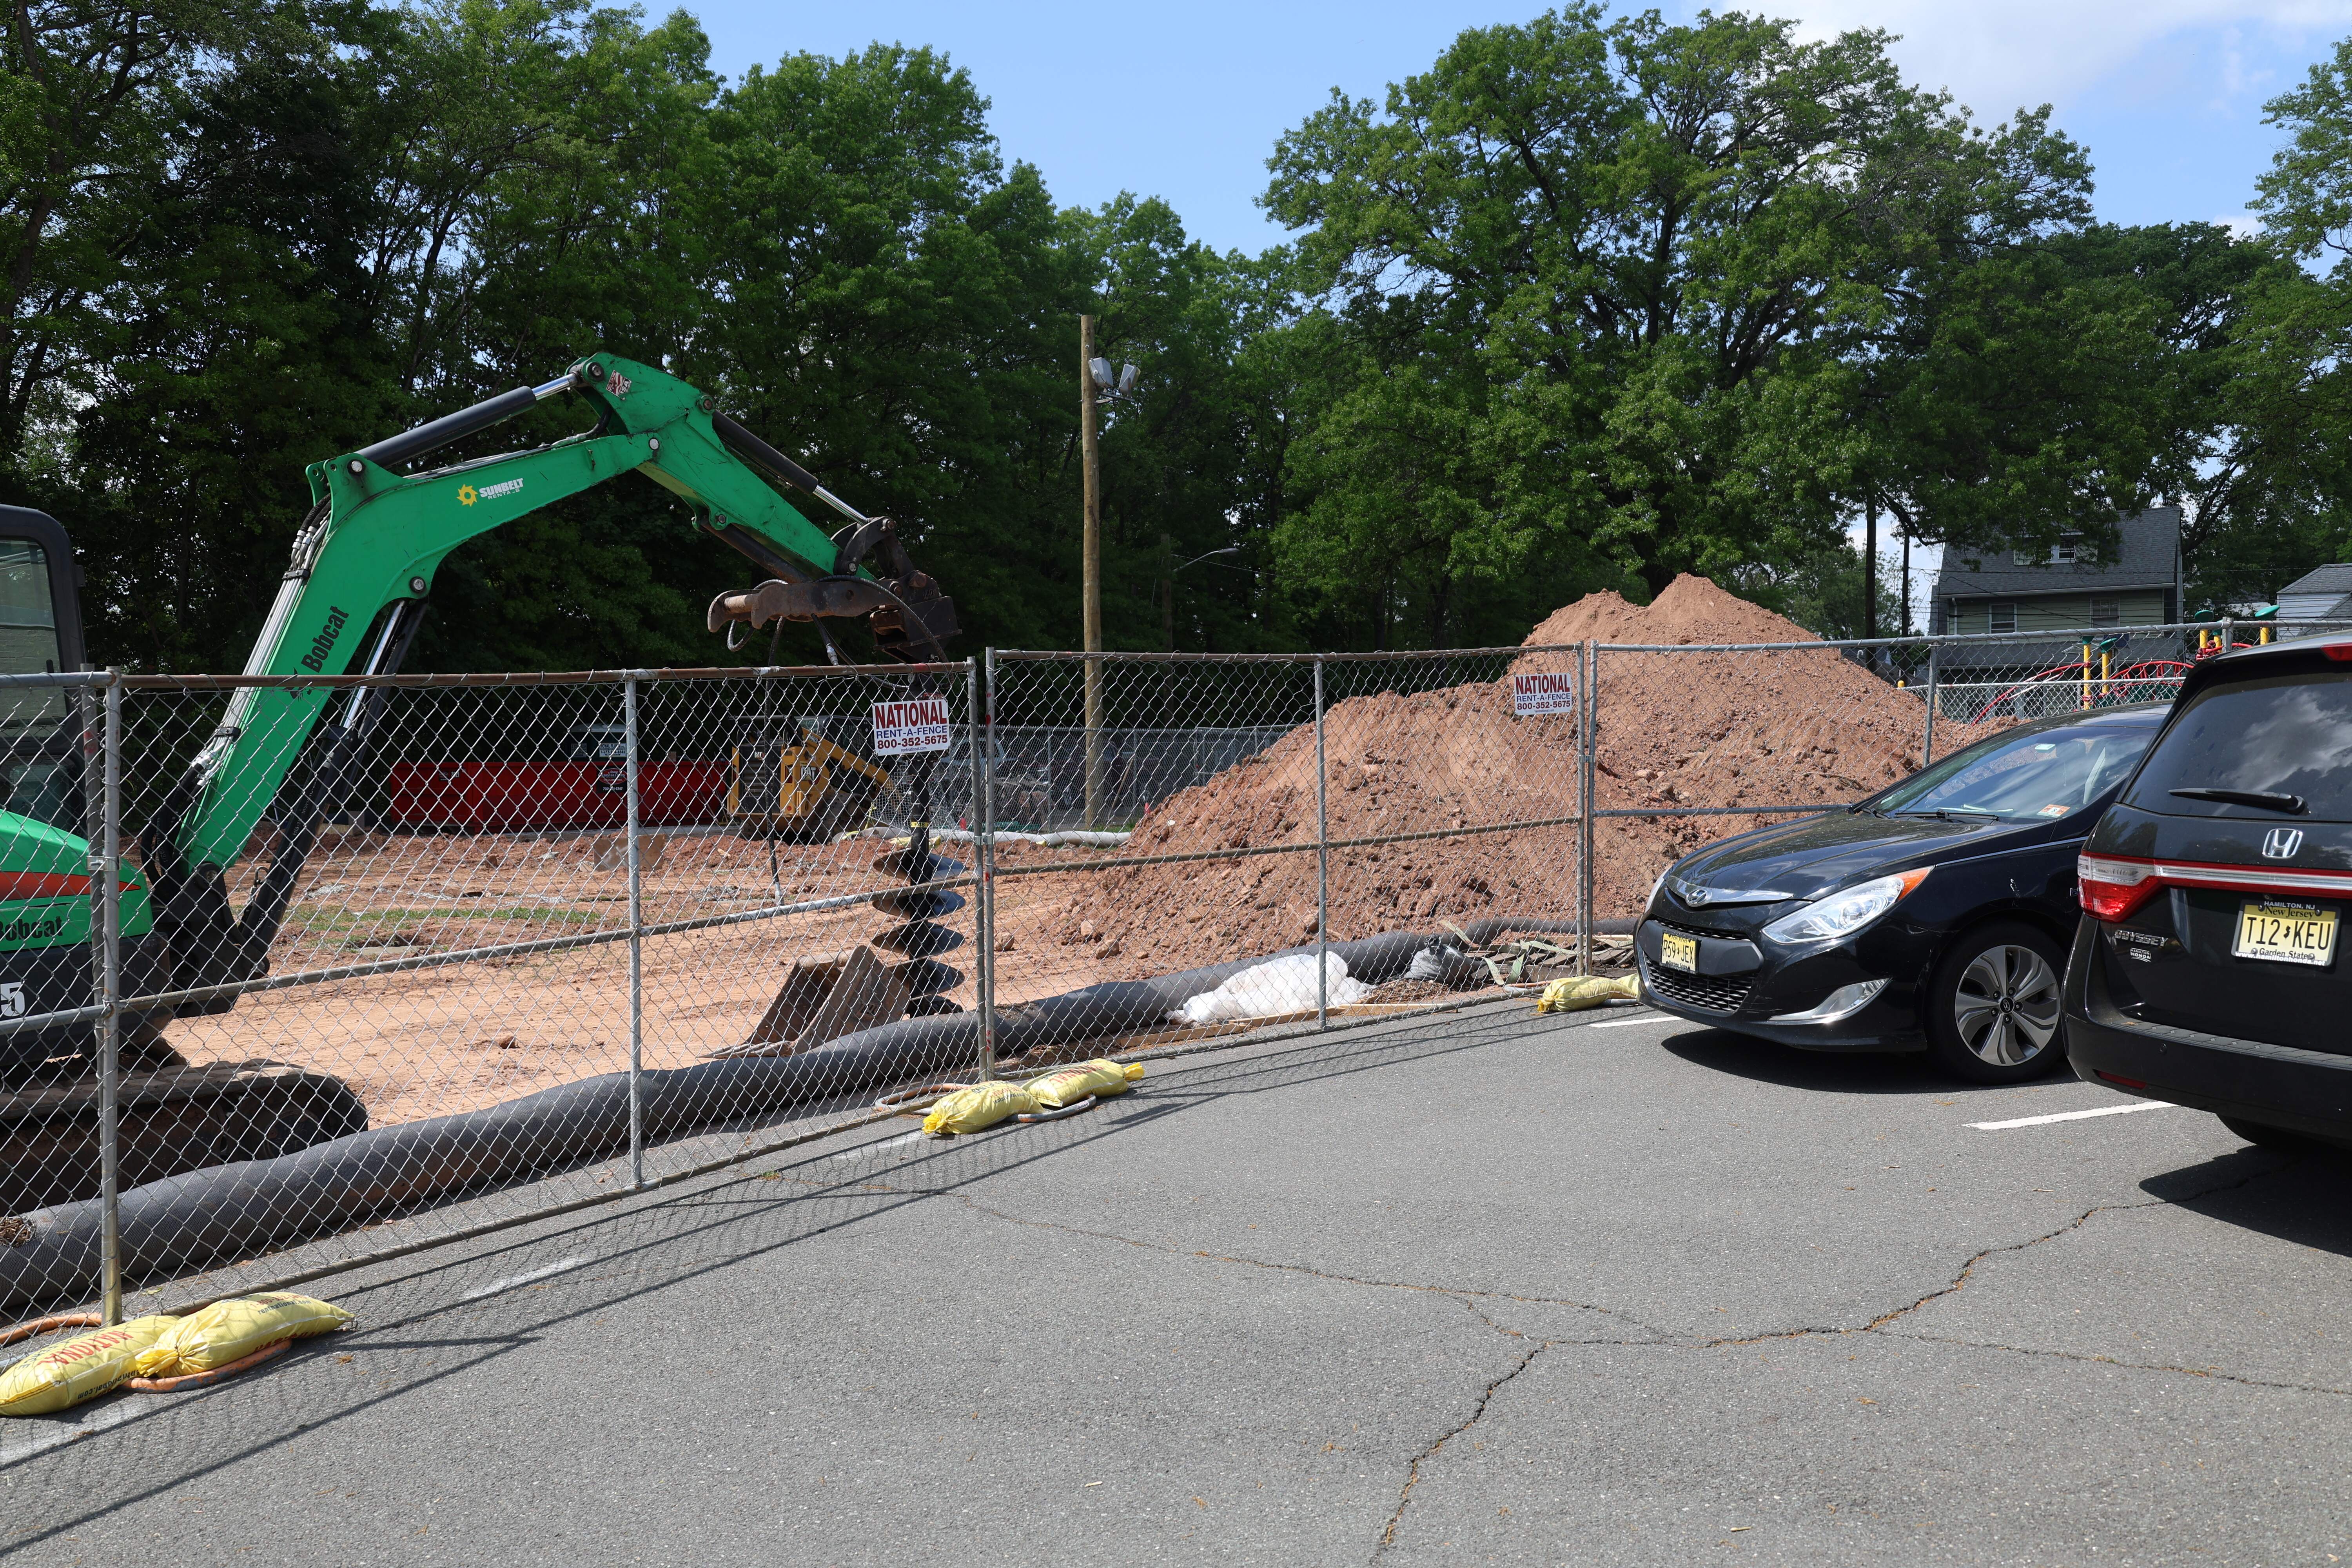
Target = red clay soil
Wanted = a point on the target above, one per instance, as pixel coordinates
(1695, 729)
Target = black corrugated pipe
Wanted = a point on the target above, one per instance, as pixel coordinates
(227, 1212)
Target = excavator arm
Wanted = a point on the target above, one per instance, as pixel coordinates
(364, 561)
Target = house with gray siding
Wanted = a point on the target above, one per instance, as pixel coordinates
(2060, 588)
(2322, 594)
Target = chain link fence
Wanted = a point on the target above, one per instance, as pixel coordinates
(1698, 743)
(303, 972)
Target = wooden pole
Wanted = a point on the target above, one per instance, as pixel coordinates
(1092, 465)
(1869, 572)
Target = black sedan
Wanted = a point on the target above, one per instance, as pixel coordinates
(1933, 916)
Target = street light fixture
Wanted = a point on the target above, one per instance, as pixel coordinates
(1097, 380)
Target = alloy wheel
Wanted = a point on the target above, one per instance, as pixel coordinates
(2006, 1005)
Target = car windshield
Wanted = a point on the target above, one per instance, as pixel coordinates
(2280, 745)
(2042, 774)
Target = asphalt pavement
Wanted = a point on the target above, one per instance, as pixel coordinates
(1605, 1288)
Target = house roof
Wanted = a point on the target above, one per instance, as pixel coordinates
(2335, 579)
(2149, 543)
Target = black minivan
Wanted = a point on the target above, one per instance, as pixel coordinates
(2207, 971)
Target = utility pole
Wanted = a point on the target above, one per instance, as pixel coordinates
(1870, 571)
(1906, 582)
(1091, 464)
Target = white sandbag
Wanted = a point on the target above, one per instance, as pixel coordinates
(1279, 986)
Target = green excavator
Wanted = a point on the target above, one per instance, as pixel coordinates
(380, 523)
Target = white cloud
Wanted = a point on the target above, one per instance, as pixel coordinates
(2243, 224)
(1996, 56)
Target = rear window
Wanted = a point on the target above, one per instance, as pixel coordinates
(2281, 734)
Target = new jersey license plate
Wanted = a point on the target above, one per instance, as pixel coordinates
(2285, 933)
(1678, 951)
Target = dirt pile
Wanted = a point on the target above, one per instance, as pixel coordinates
(1676, 729)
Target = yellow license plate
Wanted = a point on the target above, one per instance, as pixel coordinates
(1678, 951)
(2286, 933)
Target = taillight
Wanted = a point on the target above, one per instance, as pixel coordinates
(2341, 652)
(2109, 888)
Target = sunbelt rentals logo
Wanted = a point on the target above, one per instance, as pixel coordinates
(467, 495)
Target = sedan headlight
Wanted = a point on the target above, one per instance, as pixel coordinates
(1842, 913)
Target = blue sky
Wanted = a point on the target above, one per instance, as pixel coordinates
(1185, 100)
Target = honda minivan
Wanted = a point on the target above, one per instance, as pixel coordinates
(2207, 970)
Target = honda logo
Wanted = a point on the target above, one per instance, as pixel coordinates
(2280, 843)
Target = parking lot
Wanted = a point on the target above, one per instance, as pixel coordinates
(1483, 1287)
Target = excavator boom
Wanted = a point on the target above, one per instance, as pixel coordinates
(365, 559)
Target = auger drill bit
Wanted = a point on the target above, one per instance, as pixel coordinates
(919, 935)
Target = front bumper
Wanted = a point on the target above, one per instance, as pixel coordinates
(2278, 1085)
(1743, 985)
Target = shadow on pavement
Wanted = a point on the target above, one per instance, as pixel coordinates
(422, 1320)
(1844, 1072)
(2307, 1201)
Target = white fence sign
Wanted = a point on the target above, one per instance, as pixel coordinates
(1550, 692)
(918, 724)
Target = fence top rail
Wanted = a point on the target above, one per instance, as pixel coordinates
(534, 676)
(2034, 639)
(61, 677)
(1073, 656)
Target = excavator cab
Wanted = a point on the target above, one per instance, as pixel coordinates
(40, 633)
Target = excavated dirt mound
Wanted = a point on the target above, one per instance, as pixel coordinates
(1677, 729)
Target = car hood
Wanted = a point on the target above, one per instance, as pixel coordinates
(1803, 859)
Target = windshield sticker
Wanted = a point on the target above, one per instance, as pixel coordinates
(2060, 810)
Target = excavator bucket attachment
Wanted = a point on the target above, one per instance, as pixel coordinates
(823, 999)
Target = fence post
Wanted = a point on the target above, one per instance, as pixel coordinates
(1322, 865)
(637, 947)
(1927, 746)
(1589, 710)
(107, 874)
(980, 715)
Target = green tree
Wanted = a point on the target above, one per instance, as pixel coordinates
(1627, 298)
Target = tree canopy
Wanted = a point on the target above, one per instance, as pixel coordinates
(1588, 302)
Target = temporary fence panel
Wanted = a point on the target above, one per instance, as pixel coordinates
(445, 953)
(527, 946)
(1364, 811)
(1698, 742)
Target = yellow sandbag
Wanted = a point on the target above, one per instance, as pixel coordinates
(1575, 995)
(1067, 1086)
(232, 1330)
(981, 1105)
(81, 1368)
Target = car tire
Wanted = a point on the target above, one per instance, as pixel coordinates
(1992, 1006)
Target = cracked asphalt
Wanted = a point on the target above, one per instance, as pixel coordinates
(1480, 1288)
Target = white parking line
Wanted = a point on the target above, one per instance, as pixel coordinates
(2073, 1115)
(864, 1149)
(508, 1284)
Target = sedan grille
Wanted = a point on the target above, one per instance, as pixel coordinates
(1714, 994)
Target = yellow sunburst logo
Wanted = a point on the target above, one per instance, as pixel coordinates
(467, 495)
